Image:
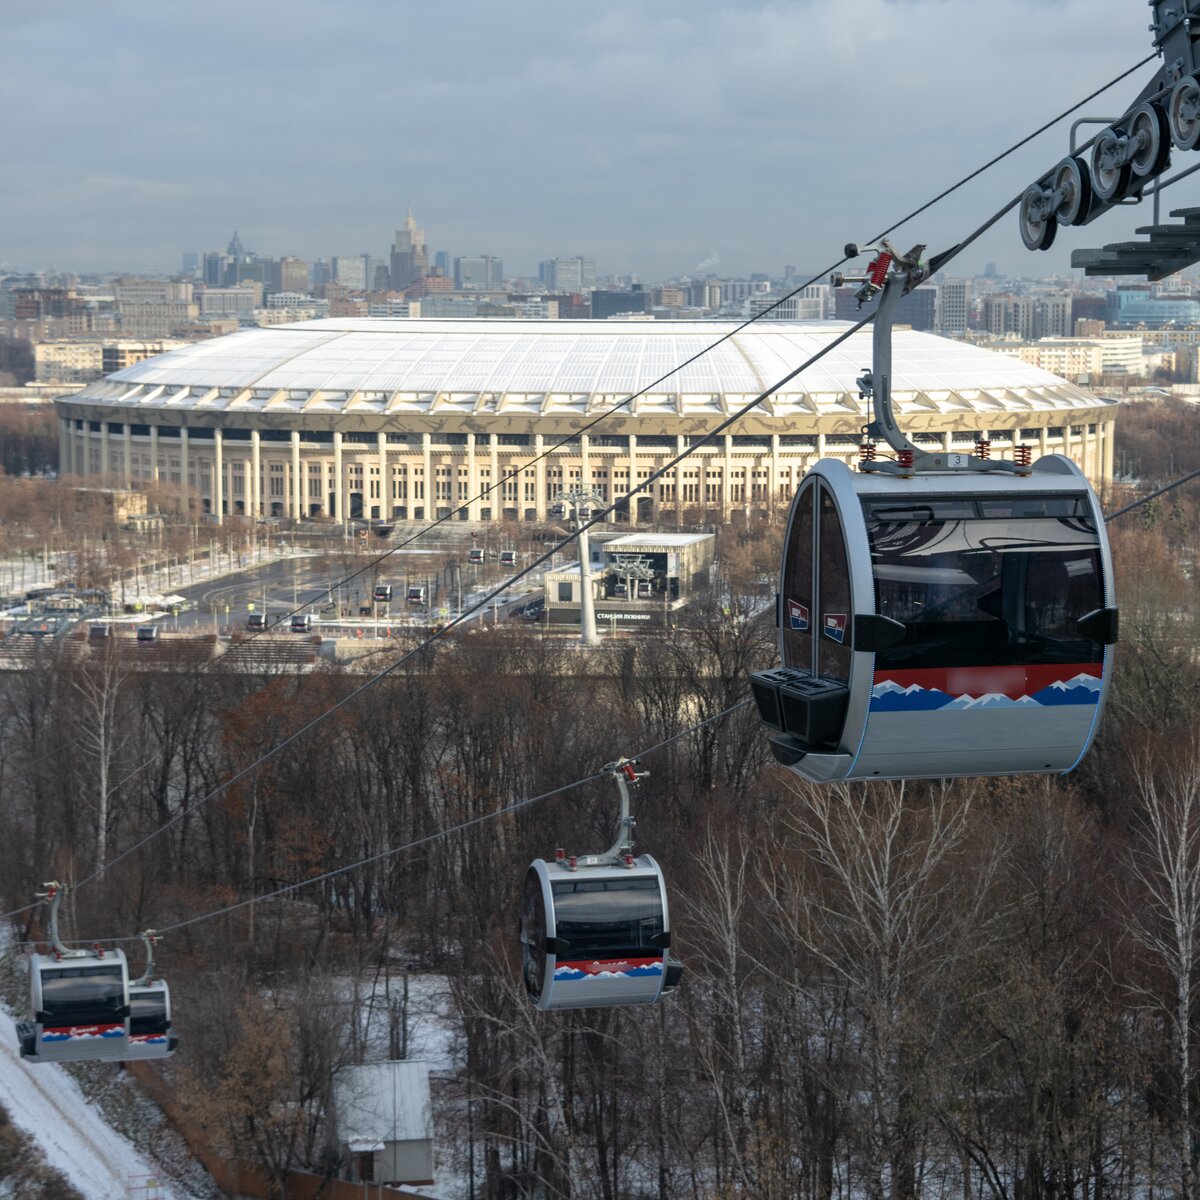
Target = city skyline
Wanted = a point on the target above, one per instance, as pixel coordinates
(729, 137)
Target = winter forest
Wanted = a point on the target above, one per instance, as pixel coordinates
(979, 988)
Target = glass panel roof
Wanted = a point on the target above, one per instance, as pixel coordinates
(516, 365)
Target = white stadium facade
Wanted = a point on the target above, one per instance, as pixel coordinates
(409, 419)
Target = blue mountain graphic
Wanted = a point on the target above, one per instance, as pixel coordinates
(922, 700)
(1057, 694)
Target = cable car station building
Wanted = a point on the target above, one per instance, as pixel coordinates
(408, 419)
(637, 579)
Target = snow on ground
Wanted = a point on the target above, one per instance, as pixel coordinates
(44, 1101)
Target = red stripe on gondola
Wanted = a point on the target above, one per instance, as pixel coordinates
(594, 966)
(1011, 681)
(77, 1031)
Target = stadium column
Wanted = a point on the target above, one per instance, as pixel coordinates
(255, 496)
(385, 478)
(472, 491)
(218, 499)
(154, 453)
(184, 466)
(427, 489)
(493, 497)
(539, 479)
(773, 482)
(585, 463)
(103, 447)
(1108, 451)
(1043, 441)
(128, 440)
(727, 477)
(297, 478)
(338, 508)
(64, 448)
(680, 447)
(633, 482)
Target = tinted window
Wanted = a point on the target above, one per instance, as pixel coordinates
(533, 935)
(834, 631)
(608, 918)
(84, 994)
(148, 1012)
(796, 604)
(1000, 581)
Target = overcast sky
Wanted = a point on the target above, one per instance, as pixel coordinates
(661, 137)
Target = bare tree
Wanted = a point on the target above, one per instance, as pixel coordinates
(101, 734)
(1164, 915)
(879, 909)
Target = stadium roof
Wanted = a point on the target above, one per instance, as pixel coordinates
(548, 367)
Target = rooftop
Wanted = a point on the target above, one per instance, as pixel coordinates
(475, 367)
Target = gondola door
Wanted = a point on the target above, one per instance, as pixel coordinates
(817, 622)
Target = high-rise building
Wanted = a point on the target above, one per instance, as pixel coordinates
(379, 274)
(350, 270)
(611, 304)
(191, 263)
(953, 308)
(441, 262)
(1052, 316)
(917, 309)
(1004, 313)
(410, 259)
(480, 272)
(813, 303)
(214, 268)
(567, 274)
(321, 273)
(286, 275)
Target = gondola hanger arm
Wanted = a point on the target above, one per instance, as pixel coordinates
(890, 276)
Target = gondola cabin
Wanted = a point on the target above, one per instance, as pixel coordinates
(940, 625)
(595, 936)
(79, 1008)
(475, 555)
(150, 1033)
(382, 593)
(508, 558)
(416, 595)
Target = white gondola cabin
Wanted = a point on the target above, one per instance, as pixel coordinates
(150, 1033)
(78, 1008)
(940, 625)
(595, 930)
(596, 936)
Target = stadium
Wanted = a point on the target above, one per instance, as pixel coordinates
(408, 419)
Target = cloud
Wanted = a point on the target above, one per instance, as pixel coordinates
(632, 133)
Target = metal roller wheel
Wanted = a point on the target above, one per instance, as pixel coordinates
(1110, 176)
(1038, 225)
(1183, 113)
(1150, 126)
(1072, 179)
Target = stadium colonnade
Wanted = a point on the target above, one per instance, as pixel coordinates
(409, 419)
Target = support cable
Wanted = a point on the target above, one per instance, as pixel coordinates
(639, 487)
(392, 851)
(515, 472)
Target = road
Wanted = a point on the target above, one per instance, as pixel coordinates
(46, 1103)
(324, 587)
